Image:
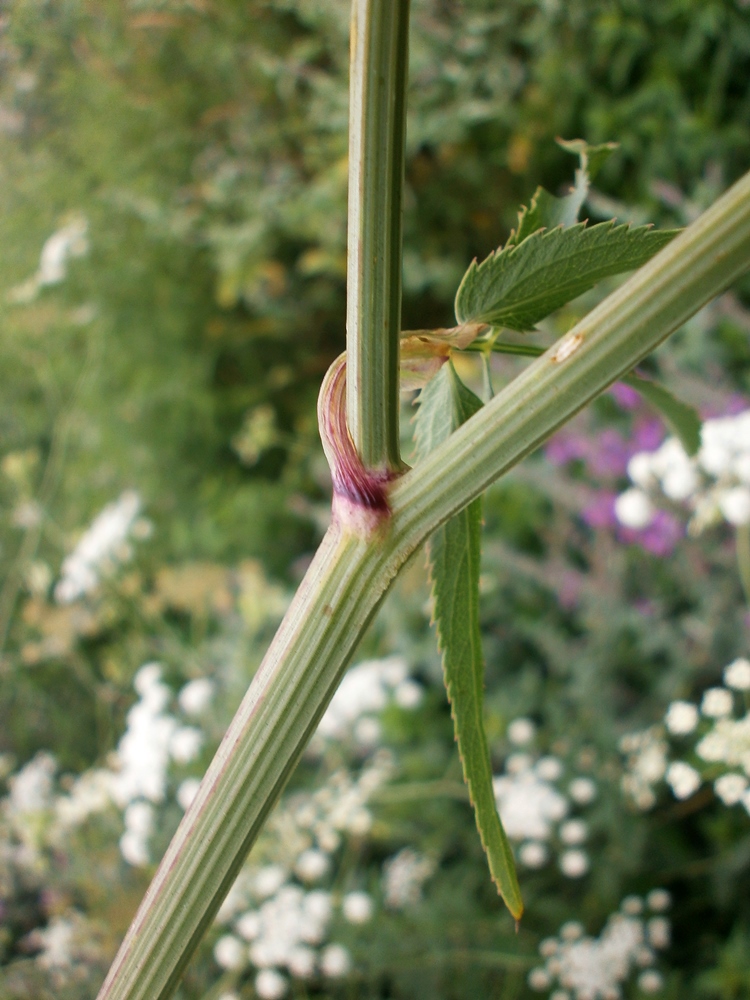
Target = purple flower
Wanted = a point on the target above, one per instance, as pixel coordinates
(731, 406)
(648, 434)
(600, 513)
(566, 447)
(626, 397)
(659, 538)
(608, 454)
(605, 453)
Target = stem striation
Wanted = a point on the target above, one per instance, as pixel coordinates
(377, 129)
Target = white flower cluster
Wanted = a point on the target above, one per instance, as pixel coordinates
(363, 693)
(71, 240)
(64, 947)
(277, 917)
(279, 926)
(136, 779)
(403, 877)
(536, 812)
(102, 547)
(152, 739)
(578, 967)
(318, 819)
(55, 944)
(28, 827)
(31, 788)
(25, 812)
(282, 933)
(715, 483)
(721, 747)
(646, 758)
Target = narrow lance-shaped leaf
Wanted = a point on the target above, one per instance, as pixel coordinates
(517, 286)
(454, 555)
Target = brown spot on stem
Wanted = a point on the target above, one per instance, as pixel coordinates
(567, 347)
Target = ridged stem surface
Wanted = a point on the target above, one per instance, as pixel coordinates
(377, 124)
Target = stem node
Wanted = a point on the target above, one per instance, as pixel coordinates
(360, 495)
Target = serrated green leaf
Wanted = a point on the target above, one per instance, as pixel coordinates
(681, 417)
(454, 558)
(517, 286)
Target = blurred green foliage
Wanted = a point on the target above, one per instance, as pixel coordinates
(203, 144)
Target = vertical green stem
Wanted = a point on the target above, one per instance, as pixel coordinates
(377, 127)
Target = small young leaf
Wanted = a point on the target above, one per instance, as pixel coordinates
(517, 286)
(680, 416)
(453, 554)
(592, 158)
(545, 211)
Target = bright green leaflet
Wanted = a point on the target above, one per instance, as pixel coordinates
(454, 558)
(517, 286)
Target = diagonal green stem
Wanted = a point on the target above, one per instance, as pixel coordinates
(351, 573)
(608, 343)
(377, 125)
(299, 673)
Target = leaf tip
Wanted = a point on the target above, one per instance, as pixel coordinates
(516, 911)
